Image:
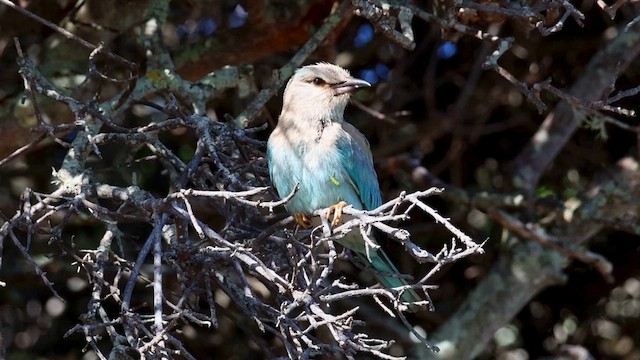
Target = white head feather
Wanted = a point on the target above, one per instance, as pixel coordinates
(318, 92)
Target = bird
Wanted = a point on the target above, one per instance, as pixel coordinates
(328, 159)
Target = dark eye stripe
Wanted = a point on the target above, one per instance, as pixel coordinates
(318, 81)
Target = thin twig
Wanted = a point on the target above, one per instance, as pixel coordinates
(131, 66)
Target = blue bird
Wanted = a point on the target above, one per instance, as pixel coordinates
(329, 159)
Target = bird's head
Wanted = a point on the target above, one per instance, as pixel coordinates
(320, 92)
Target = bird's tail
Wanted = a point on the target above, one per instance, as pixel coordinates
(383, 265)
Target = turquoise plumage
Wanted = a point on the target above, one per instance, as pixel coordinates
(312, 146)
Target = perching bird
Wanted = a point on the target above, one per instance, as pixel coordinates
(330, 160)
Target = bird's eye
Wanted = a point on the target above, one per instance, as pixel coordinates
(317, 81)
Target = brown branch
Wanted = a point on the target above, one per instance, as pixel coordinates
(568, 249)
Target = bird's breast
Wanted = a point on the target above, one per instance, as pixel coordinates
(315, 164)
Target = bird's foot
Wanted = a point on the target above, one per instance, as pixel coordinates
(336, 210)
(303, 220)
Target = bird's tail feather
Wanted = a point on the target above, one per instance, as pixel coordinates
(383, 265)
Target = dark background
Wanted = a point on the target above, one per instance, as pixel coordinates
(439, 110)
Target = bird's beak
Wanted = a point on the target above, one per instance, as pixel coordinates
(349, 86)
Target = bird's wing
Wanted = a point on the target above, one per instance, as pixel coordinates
(280, 157)
(356, 158)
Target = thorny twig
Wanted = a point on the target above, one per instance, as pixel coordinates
(299, 292)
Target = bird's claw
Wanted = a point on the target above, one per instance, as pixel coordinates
(303, 220)
(336, 210)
